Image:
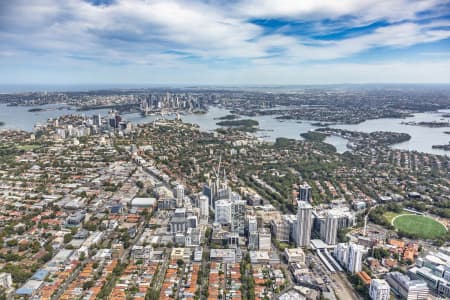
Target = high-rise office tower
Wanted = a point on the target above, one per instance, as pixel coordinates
(264, 240)
(281, 229)
(223, 212)
(203, 204)
(304, 193)
(253, 238)
(304, 224)
(238, 216)
(97, 120)
(179, 191)
(207, 191)
(252, 224)
(252, 227)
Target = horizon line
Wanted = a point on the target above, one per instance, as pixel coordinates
(29, 87)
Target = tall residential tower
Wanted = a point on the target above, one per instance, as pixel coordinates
(304, 224)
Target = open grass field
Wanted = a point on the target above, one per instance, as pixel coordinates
(390, 215)
(27, 147)
(421, 226)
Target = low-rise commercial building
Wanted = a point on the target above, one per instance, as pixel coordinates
(379, 290)
(294, 255)
(406, 288)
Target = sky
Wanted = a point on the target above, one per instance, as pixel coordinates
(224, 42)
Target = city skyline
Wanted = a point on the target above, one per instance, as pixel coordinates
(325, 192)
(224, 43)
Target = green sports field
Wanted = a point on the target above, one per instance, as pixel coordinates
(421, 226)
(390, 215)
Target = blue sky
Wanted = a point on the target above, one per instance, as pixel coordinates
(219, 42)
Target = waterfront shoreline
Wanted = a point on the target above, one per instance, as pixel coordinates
(17, 117)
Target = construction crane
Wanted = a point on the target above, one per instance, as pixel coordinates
(365, 220)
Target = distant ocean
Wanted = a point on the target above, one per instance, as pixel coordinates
(19, 88)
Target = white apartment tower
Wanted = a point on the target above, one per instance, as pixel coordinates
(329, 228)
(379, 290)
(355, 258)
(350, 256)
(304, 224)
(341, 253)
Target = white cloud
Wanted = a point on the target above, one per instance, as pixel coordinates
(361, 10)
(199, 29)
(131, 25)
(163, 33)
(402, 35)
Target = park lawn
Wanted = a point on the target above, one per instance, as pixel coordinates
(389, 215)
(27, 147)
(421, 226)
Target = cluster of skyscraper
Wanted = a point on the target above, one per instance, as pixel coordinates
(168, 101)
(185, 220)
(228, 207)
(89, 125)
(325, 223)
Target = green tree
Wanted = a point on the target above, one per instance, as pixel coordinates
(140, 184)
(82, 256)
(12, 243)
(67, 238)
(88, 284)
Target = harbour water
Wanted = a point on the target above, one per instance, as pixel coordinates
(422, 138)
(19, 117)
